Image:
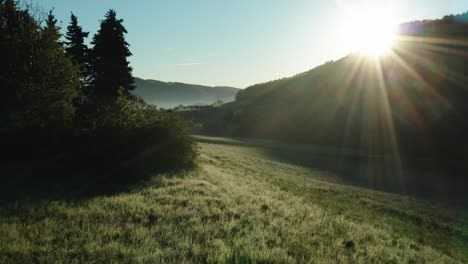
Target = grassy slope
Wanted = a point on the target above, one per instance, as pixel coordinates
(239, 205)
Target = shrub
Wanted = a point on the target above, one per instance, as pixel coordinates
(132, 131)
(125, 141)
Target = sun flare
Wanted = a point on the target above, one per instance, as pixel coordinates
(369, 32)
(373, 39)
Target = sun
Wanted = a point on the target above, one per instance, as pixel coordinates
(373, 39)
(369, 31)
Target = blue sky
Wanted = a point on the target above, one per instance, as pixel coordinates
(236, 42)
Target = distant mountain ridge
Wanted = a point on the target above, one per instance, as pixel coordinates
(172, 94)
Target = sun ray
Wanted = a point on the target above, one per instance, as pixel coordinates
(390, 126)
(432, 40)
(357, 64)
(451, 75)
(417, 76)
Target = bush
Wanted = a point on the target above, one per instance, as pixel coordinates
(127, 141)
(134, 132)
(52, 131)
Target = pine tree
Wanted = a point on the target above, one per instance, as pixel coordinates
(55, 80)
(78, 51)
(38, 80)
(19, 33)
(111, 67)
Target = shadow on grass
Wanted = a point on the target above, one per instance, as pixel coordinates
(68, 177)
(434, 179)
(443, 181)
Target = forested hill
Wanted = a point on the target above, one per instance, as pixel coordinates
(172, 94)
(411, 102)
(448, 26)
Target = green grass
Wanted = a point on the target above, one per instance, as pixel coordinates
(238, 206)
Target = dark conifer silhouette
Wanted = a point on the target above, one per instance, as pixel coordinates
(38, 79)
(111, 67)
(55, 79)
(78, 51)
(39, 82)
(18, 32)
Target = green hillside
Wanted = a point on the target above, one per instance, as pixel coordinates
(359, 160)
(419, 90)
(407, 108)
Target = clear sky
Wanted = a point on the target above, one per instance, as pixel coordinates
(235, 42)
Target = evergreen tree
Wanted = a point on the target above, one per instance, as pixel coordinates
(78, 51)
(37, 79)
(19, 33)
(55, 80)
(111, 67)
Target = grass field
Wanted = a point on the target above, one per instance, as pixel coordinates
(240, 205)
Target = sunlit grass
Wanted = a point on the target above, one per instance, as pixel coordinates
(238, 206)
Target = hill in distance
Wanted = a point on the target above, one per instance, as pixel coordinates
(172, 94)
(417, 92)
(406, 109)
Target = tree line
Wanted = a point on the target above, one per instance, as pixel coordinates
(47, 80)
(61, 96)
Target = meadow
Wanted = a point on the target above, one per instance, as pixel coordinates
(239, 205)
